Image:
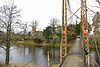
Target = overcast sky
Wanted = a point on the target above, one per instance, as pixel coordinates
(44, 10)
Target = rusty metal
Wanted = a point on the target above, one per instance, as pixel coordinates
(84, 31)
(63, 46)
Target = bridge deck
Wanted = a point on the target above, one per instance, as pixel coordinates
(74, 57)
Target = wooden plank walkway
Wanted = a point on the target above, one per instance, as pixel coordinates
(74, 57)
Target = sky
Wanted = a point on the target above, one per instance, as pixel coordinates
(44, 10)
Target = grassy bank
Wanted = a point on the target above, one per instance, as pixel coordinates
(30, 43)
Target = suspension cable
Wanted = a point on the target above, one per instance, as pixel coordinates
(69, 10)
(73, 14)
(91, 10)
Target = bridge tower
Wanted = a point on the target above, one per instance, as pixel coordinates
(84, 32)
(63, 46)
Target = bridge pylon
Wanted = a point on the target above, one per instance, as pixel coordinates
(63, 46)
(85, 33)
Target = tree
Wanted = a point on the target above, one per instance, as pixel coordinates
(54, 24)
(47, 33)
(24, 27)
(96, 25)
(52, 32)
(98, 1)
(8, 18)
(78, 29)
(71, 32)
(34, 26)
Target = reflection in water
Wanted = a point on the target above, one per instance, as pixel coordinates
(40, 58)
(94, 58)
(34, 55)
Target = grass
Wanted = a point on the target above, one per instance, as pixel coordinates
(30, 43)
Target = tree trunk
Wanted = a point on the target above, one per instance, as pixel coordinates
(8, 44)
(7, 54)
(7, 49)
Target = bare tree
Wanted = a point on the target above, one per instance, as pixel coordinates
(8, 18)
(24, 27)
(34, 26)
(98, 1)
(54, 22)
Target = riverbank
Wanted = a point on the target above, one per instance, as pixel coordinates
(19, 65)
(30, 43)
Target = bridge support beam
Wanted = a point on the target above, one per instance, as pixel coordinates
(63, 46)
(85, 33)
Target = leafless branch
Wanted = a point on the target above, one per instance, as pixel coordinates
(98, 1)
(3, 47)
(3, 22)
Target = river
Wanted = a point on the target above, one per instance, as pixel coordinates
(35, 55)
(95, 57)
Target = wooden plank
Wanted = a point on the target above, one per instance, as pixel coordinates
(74, 58)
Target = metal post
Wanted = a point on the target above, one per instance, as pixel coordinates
(63, 46)
(84, 32)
